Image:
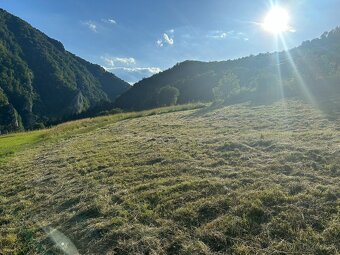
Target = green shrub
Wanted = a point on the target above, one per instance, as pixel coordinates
(168, 96)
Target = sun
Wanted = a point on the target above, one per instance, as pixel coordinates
(277, 20)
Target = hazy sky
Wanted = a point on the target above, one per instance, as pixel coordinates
(136, 38)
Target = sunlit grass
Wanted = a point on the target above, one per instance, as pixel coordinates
(230, 180)
(10, 144)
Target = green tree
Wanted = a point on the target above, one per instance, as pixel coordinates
(168, 95)
(9, 119)
(228, 86)
(3, 98)
(267, 87)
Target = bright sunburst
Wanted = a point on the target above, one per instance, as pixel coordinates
(276, 21)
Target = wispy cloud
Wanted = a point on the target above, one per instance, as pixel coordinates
(113, 61)
(148, 70)
(218, 34)
(95, 26)
(240, 36)
(167, 38)
(110, 21)
(159, 42)
(91, 25)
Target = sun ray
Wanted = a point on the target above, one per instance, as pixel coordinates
(279, 73)
(300, 82)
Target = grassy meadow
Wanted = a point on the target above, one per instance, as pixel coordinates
(240, 179)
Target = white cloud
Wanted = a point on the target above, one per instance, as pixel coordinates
(113, 61)
(218, 34)
(110, 21)
(223, 35)
(91, 25)
(150, 70)
(167, 39)
(160, 43)
(94, 25)
(133, 74)
(126, 69)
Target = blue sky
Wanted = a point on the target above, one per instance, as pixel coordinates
(137, 38)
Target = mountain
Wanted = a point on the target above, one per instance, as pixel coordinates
(311, 70)
(41, 82)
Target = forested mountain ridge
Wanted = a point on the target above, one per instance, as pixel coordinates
(41, 82)
(311, 70)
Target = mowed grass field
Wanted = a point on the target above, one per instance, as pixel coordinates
(216, 180)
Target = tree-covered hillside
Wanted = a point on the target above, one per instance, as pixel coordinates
(41, 82)
(311, 70)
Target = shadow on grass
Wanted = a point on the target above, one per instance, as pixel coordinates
(331, 108)
(202, 111)
(221, 104)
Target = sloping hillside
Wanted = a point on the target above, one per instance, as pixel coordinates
(234, 180)
(40, 81)
(311, 71)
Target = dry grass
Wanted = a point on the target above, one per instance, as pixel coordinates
(234, 180)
